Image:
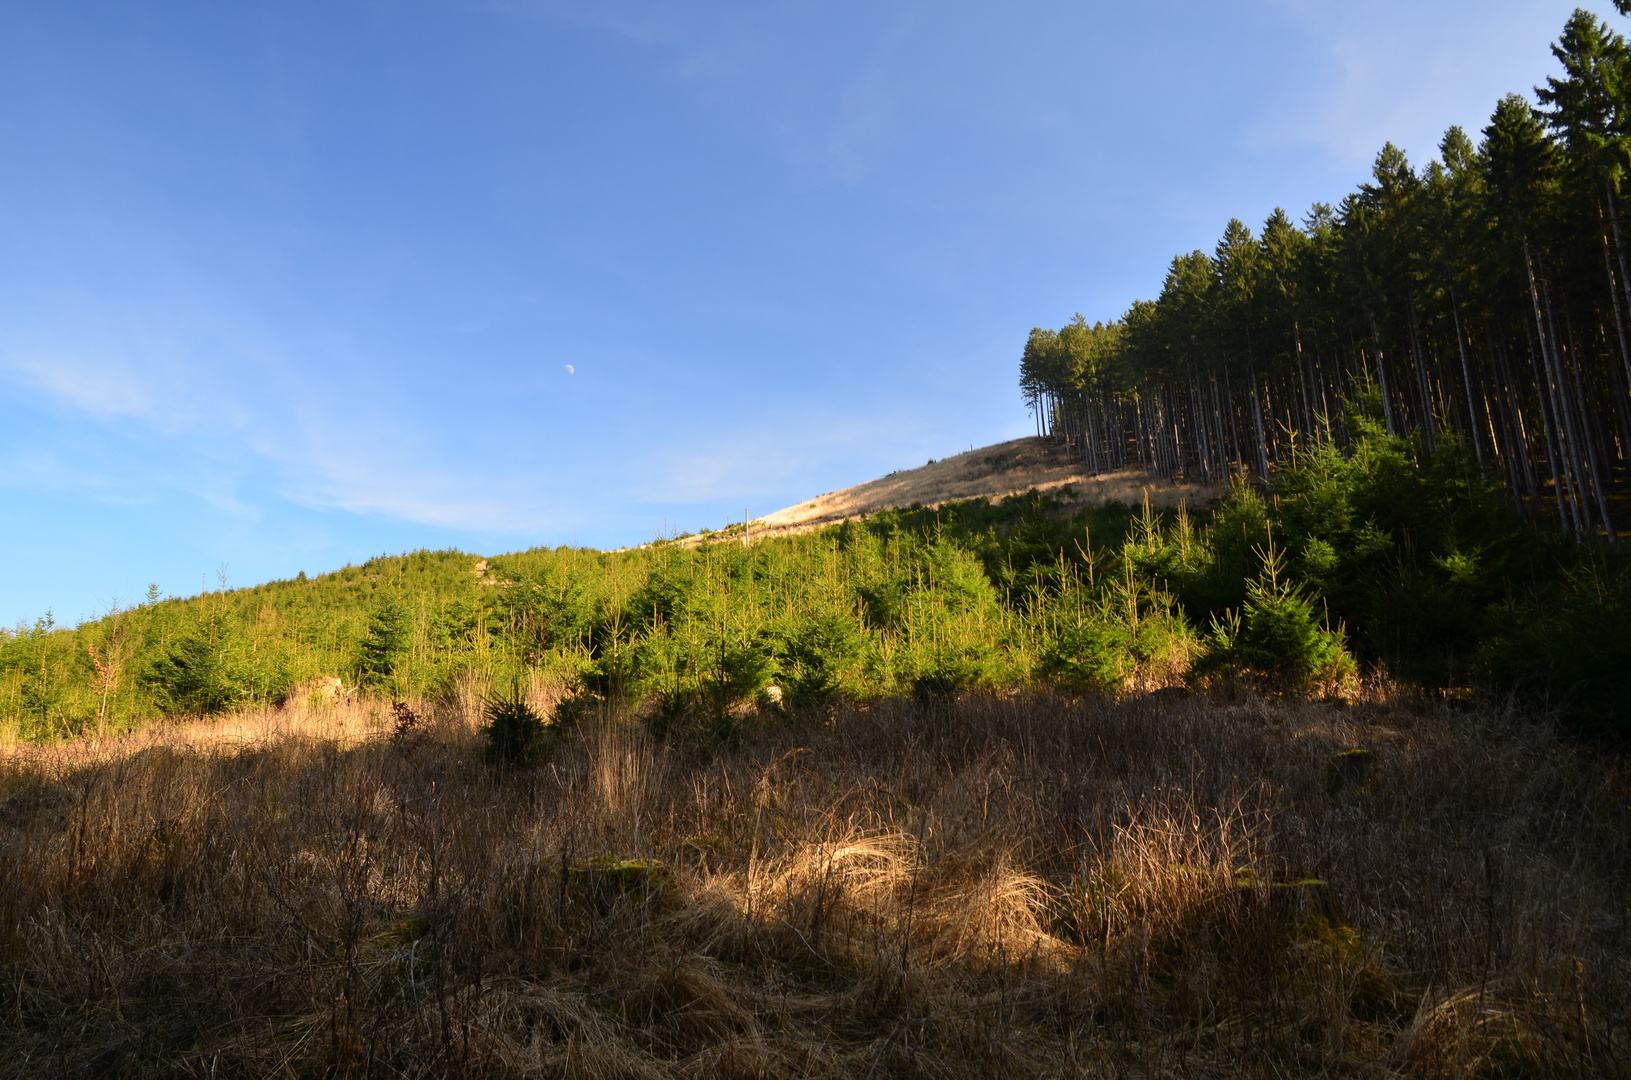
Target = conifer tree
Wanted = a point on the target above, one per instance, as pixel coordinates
(1484, 298)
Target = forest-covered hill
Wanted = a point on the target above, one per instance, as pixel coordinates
(1418, 401)
(1379, 555)
(1484, 296)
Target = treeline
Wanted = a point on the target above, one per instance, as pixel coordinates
(1484, 299)
(1377, 556)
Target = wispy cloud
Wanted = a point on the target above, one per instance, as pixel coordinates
(1398, 71)
(38, 468)
(171, 372)
(100, 389)
(830, 111)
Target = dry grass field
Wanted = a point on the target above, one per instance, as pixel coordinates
(991, 472)
(1008, 885)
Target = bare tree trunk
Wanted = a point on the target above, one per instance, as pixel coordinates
(1554, 457)
(1203, 417)
(1381, 377)
(1620, 417)
(1566, 515)
(1304, 382)
(1417, 355)
(1325, 397)
(1202, 429)
(1564, 407)
(1232, 417)
(1466, 375)
(1614, 295)
(1214, 428)
(1093, 435)
(1619, 248)
(1589, 439)
(1521, 436)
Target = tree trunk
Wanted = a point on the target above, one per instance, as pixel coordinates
(1564, 407)
(1381, 377)
(1588, 433)
(1428, 427)
(1466, 376)
(1565, 513)
(1619, 248)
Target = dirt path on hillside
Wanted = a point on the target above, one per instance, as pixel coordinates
(992, 472)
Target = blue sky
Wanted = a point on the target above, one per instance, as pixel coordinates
(286, 285)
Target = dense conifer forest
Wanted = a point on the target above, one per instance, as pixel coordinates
(1482, 298)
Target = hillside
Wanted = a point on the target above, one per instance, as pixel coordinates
(1042, 760)
(1379, 554)
(1022, 787)
(991, 472)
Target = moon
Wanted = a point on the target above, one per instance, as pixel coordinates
(570, 370)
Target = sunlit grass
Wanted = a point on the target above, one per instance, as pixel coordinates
(1021, 884)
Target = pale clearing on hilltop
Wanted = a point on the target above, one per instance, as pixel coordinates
(991, 472)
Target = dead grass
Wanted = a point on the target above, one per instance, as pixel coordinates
(1014, 885)
(991, 472)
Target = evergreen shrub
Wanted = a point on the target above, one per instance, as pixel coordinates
(516, 735)
(385, 644)
(198, 673)
(1277, 635)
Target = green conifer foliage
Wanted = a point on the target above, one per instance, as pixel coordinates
(1278, 635)
(1483, 297)
(386, 641)
(516, 735)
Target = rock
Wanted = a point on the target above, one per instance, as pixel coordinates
(320, 693)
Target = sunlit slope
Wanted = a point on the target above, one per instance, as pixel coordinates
(991, 472)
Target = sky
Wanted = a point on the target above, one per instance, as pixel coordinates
(289, 285)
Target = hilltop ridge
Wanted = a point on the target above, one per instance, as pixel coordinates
(991, 472)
